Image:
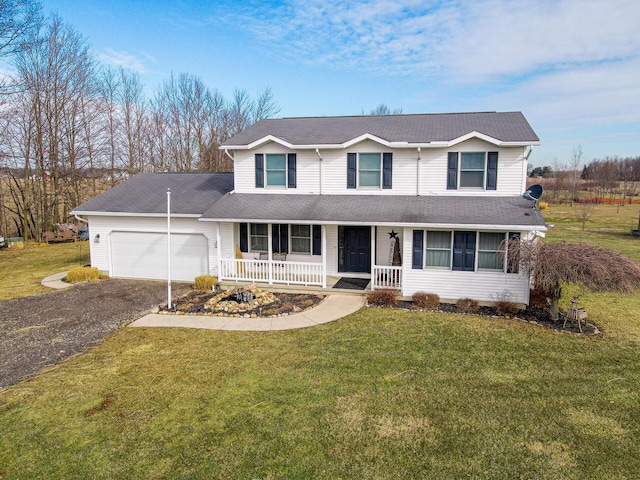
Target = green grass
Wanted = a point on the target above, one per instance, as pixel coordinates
(608, 226)
(380, 394)
(21, 270)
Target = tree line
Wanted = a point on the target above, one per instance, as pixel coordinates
(610, 177)
(71, 128)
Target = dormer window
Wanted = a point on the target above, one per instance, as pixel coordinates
(472, 170)
(369, 170)
(277, 170)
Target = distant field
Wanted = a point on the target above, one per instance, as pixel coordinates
(608, 226)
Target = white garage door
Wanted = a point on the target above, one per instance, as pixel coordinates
(144, 255)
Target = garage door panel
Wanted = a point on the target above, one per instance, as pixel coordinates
(144, 255)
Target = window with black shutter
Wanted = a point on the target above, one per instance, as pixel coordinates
(259, 170)
(452, 171)
(387, 170)
(464, 251)
(351, 170)
(492, 170)
(291, 170)
(244, 237)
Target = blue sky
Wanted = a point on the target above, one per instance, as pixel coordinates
(571, 66)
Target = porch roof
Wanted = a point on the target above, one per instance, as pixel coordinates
(444, 211)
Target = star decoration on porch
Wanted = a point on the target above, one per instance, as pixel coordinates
(393, 234)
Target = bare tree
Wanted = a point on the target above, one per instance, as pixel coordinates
(554, 264)
(575, 165)
(383, 109)
(585, 212)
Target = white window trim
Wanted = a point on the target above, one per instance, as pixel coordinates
(251, 235)
(504, 253)
(266, 172)
(369, 187)
(484, 173)
(291, 237)
(426, 249)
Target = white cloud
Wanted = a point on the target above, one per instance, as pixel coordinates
(134, 61)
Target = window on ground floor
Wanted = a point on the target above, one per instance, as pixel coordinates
(259, 237)
(438, 249)
(285, 238)
(300, 238)
(464, 250)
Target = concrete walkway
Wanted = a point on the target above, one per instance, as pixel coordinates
(332, 308)
(55, 281)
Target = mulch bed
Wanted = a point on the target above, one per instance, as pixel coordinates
(289, 303)
(538, 316)
(286, 303)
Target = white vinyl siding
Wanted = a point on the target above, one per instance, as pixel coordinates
(511, 170)
(451, 285)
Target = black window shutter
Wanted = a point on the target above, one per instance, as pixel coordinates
(387, 169)
(418, 243)
(452, 171)
(464, 251)
(351, 170)
(317, 240)
(279, 238)
(492, 170)
(259, 170)
(291, 170)
(244, 240)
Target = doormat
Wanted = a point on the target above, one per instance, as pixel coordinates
(352, 283)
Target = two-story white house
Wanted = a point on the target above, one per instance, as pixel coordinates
(318, 199)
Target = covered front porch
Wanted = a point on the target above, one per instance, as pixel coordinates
(312, 255)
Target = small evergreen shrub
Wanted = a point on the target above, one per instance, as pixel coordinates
(205, 282)
(505, 307)
(426, 300)
(384, 297)
(83, 274)
(468, 305)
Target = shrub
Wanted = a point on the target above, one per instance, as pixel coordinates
(83, 274)
(426, 300)
(543, 205)
(467, 305)
(505, 307)
(384, 297)
(205, 282)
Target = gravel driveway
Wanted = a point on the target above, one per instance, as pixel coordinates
(42, 330)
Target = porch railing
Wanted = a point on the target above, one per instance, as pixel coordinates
(386, 277)
(276, 271)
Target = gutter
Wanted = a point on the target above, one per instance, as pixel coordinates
(82, 219)
(320, 157)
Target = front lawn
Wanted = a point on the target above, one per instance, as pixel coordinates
(22, 269)
(379, 394)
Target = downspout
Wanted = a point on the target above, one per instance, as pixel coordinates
(320, 157)
(81, 219)
(524, 167)
(418, 172)
(227, 153)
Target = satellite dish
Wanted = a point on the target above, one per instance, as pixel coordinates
(534, 192)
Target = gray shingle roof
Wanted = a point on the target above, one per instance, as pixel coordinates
(377, 209)
(425, 128)
(146, 193)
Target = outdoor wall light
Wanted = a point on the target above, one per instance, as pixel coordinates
(96, 239)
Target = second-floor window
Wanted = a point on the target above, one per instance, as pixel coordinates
(275, 170)
(369, 170)
(472, 170)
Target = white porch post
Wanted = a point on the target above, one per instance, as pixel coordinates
(373, 252)
(218, 261)
(323, 230)
(270, 247)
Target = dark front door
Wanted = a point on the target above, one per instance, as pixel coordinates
(357, 249)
